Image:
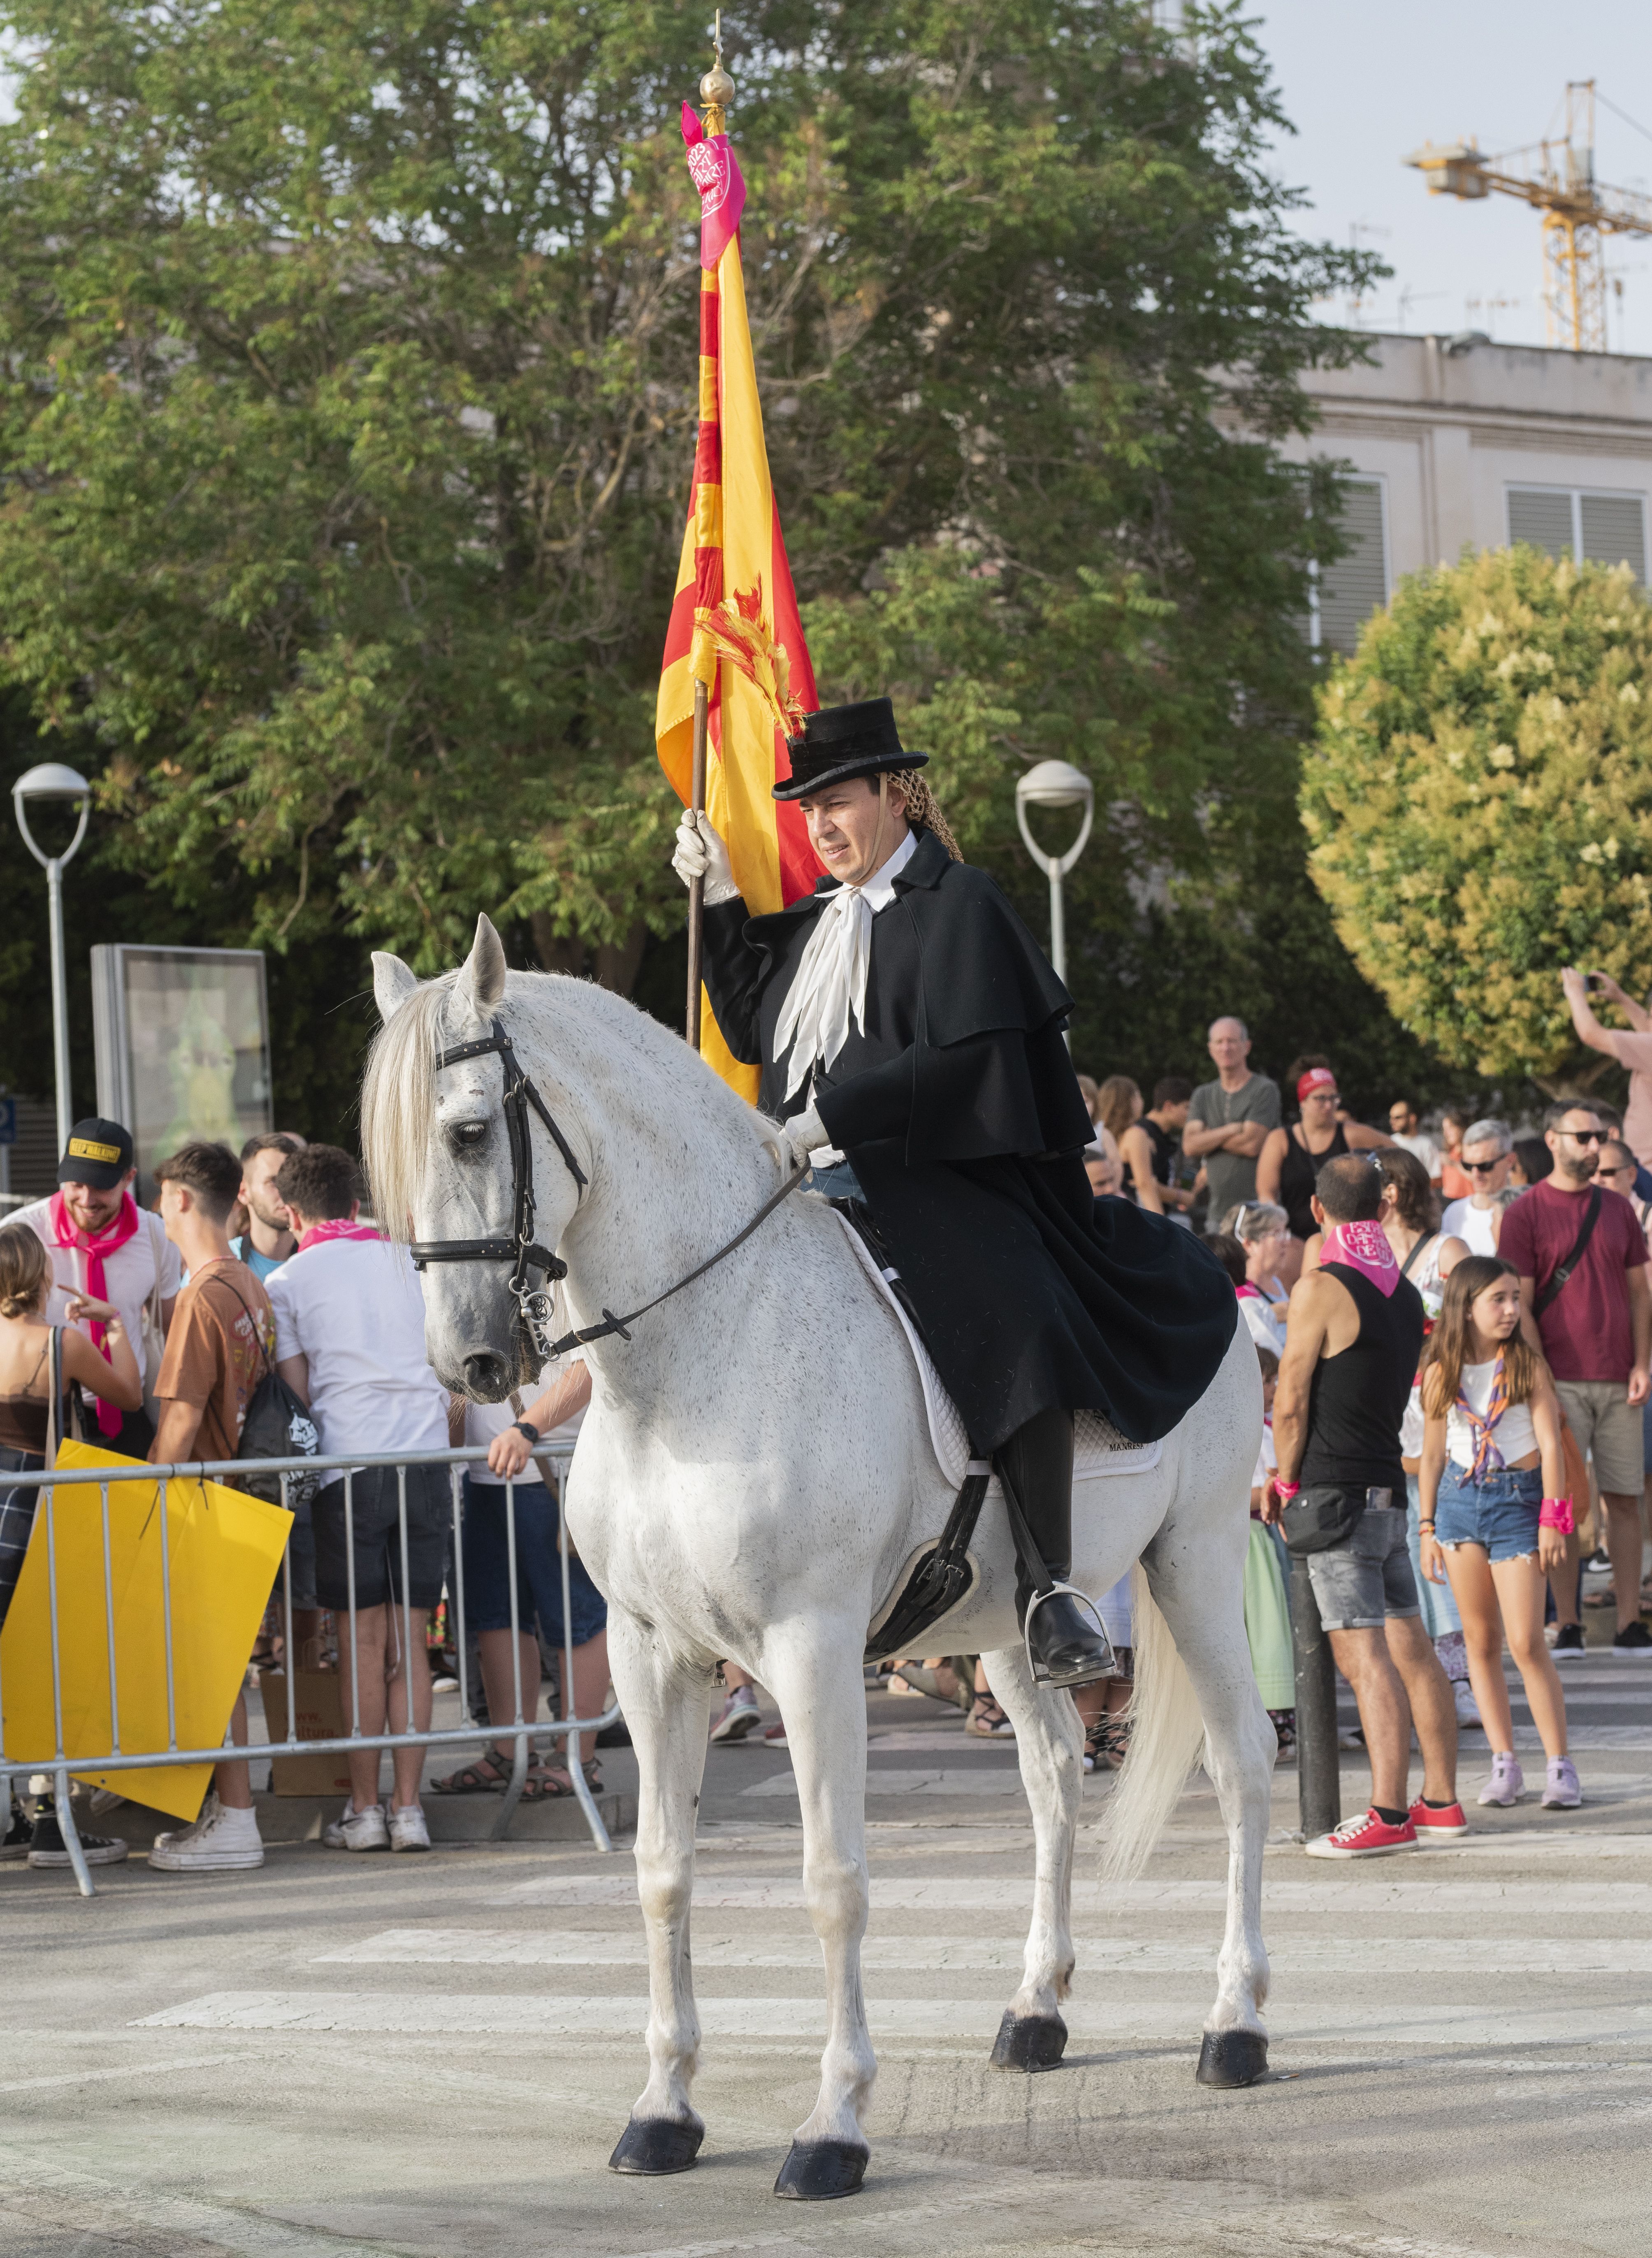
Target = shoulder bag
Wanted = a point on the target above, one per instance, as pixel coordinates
(1558, 1277)
(278, 1425)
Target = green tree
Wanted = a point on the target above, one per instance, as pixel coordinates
(347, 385)
(1479, 802)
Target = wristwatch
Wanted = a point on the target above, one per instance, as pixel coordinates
(526, 1428)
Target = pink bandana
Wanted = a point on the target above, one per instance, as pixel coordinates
(95, 1245)
(341, 1227)
(1363, 1247)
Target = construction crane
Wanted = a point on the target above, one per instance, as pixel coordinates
(1558, 178)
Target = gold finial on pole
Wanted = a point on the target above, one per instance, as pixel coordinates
(717, 89)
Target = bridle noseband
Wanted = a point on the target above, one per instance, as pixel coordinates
(519, 1249)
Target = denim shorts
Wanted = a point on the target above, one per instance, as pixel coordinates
(1500, 1512)
(487, 1585)
(1362, 1581)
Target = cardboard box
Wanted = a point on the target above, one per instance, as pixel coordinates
(318, 1714)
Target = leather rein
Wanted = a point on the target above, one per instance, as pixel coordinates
(534, 1303)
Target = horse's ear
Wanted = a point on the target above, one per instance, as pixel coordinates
(482, 976)
(391, 984)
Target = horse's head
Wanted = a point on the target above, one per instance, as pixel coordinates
(445, 1164)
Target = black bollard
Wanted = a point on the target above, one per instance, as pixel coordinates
(1318, 1771)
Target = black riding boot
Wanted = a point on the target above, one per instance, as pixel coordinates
(1067, 1645)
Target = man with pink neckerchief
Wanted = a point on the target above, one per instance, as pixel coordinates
(1352, 1340)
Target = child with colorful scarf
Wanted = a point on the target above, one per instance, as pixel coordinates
(1494, 1518)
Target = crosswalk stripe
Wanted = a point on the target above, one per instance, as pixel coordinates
(1118, 2023)
(995, 1779)
(1372, 1893)
(1385, 1956)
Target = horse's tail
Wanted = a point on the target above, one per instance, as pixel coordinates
(1166, 1736)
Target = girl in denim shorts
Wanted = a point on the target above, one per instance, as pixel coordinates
(1494, 1519)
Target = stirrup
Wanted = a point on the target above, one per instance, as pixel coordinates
(1105, 1665)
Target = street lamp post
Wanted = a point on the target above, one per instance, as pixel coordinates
(1055, 784)
(53, 780)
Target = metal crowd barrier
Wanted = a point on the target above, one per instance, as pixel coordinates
(62, 1763)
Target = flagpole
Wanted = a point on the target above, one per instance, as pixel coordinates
(697, 886)
(717, 90)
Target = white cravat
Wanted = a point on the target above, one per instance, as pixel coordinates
(831, 983)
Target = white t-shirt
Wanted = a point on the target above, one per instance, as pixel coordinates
(1515, 1433)
(1266, 1318)
(129, 1273)
(1473, 1225)
(354, 1308)
(484, 1421)
(1424, 1148)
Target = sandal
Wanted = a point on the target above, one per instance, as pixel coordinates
(549, 1781)
(987, 1720)
(1107, 1741)
(485, 1775)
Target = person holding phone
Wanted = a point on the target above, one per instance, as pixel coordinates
(1631, 1046)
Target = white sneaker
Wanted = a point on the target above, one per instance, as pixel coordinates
(357, 1830)
(221, 1841)
(408, 1828)
(1468, 1711)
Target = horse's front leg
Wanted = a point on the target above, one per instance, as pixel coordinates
(1203, 1607)
(667, 1704)
(1050, 1742)
(814, 1672)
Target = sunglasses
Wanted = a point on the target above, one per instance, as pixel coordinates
(1587, 1136)
(1484, 1168)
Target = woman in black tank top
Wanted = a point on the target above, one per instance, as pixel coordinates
(1290, 1159)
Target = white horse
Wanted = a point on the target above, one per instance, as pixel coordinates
(754, 1475)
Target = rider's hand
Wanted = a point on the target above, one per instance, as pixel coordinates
(804, 1133)
(701, 854)
(509, 1453)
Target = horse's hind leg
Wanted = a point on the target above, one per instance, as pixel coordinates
(667, 1704)
(1203, 1609)
(1050, 1742)
(814, 1672)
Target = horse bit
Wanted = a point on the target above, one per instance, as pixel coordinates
(534, 1303)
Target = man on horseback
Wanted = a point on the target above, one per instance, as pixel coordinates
(910, 1034)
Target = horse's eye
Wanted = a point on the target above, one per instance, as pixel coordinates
(468, 1132)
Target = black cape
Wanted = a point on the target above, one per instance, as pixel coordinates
(959, 1111)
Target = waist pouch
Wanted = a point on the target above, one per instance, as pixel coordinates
(1328, 1514)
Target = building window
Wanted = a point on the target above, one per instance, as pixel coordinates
(1357, 585)
(1595, 528)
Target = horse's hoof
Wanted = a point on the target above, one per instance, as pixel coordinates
(818, 2170)
(1028, 2042)
(1232, 2058)
(656, 2144)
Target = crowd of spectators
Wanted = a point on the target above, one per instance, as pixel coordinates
(150, 1332)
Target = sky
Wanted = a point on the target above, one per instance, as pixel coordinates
(1365, 82)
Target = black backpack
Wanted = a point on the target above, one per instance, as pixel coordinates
(278, 1425)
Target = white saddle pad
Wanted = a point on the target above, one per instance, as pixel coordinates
(1098, 1448)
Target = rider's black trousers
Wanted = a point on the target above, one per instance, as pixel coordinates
(1038, 1462)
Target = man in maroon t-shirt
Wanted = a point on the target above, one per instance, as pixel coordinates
(1596, 1332)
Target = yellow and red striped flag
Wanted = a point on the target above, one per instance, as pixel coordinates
(734, 622)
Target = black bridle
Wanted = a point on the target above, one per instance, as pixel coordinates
(534, 1304)
(519, 1249)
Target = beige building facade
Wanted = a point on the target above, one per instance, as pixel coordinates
(1456, 442)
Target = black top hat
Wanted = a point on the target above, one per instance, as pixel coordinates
(845, 741)
(98, 1153)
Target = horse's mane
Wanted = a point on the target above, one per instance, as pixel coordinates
(397, 1096)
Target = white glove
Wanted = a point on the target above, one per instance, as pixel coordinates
(701, 854)
(804, 1133)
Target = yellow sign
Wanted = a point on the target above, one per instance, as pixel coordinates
(82, 1148)
(223, 1551)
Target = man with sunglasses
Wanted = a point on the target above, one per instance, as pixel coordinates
(1582, 1255)
(1487, 1156)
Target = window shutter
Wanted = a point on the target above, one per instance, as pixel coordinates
(1614, 531)
(1357, 585)
(1541, 516)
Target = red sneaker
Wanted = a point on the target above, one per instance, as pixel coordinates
(1438, 1826)
(1366, 1837)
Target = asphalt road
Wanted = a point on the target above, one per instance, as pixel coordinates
(435, 2056)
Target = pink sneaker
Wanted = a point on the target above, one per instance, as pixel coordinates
(1506, 1782)
(1367, 1836)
